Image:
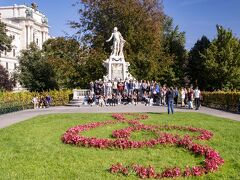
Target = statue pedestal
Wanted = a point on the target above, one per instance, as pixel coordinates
(117, 68)
(79, 96)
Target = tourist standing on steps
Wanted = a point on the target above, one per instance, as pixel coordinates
(120, 87)
(130, 87)
(197, 93)
(109, 87)
(114, 86)
(169, 99)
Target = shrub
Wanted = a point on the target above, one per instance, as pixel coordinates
(228, 101)
(11, 101)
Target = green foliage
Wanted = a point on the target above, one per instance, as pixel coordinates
(35, 72)
(229, 101)
(33, 150)
(141, 24)
(174, 45)
(13, 107)
(222, 60)
(66, 58)
(92, 69)
(10, 101)
(6, 83)
(5, 40)
(196, 63)
(74, 65)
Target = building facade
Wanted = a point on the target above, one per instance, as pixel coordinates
(25, 25)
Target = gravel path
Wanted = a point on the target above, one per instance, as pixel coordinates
(12, 118)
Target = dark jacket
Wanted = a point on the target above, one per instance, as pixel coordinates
(169, 95)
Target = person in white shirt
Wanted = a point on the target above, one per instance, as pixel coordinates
(114, 86)
(109, 88)
(197, 94)
(183, 96)
(35, 102)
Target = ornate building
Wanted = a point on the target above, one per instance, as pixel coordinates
(25, 25)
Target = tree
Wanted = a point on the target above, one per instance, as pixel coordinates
(222, 60)
(196, 63)
(36, 74)
(141, 24)
(174, 45)
(73, 64)
(65, 57)
(5, 40)
(6, 83)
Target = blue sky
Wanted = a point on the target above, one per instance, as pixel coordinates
(195, 17)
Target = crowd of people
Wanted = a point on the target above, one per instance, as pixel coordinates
(150, 93)
(41, 102)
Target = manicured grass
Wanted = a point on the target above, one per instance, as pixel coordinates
(33, 150)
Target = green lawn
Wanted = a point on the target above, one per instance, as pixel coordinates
(33, 150)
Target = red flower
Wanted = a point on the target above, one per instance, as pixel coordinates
(211, 163)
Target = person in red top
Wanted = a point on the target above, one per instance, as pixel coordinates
(120, 86)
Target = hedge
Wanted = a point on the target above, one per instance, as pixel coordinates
(227, 101)
(10, 101)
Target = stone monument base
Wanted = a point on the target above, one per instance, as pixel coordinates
(117, 68)
(79, 96)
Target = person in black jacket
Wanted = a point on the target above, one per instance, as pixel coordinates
(169, 99)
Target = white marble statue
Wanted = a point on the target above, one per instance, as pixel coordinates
(118, 42)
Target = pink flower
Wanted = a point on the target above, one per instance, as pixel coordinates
(211, 163)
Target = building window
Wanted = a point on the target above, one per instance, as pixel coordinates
(14, 52)
(15, 66)
(6, 65)
(5, 53)
(37, 41)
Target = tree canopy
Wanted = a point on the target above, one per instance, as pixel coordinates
(174, 45)
(196, 63)
(6, 82)
(71, 62)
(5, 40)
(141, 24)
(222, 60)
(36, 74)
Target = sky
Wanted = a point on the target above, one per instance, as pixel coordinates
(195, 17)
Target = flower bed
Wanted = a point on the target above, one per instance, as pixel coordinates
(123, 140)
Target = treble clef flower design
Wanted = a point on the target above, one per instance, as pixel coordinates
(122, 140)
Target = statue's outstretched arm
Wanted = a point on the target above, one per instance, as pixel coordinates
(110, 38)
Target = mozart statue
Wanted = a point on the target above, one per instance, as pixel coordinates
(118, 42)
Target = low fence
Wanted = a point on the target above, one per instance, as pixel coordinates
(227, 101)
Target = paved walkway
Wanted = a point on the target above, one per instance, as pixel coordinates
(12, 118)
